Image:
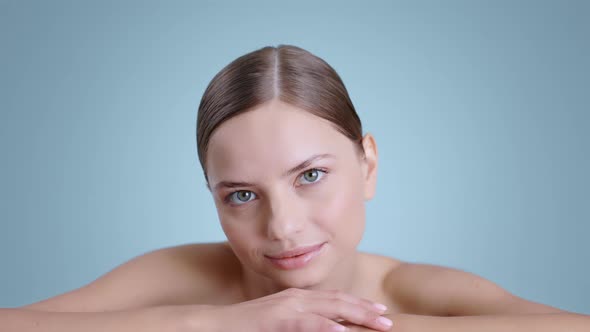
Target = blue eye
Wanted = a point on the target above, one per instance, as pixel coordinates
(312, 175)
(241, 196)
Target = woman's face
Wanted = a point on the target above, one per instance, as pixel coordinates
(268, 202)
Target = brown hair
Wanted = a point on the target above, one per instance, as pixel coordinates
(288, 73)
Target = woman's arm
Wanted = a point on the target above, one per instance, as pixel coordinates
(135, 296)
(443, 300)
(156, 319)
(491, 323)
(486, 323)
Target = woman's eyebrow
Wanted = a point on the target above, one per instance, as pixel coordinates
(304, 164)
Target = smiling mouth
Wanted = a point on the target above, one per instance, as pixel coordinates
(296, 252)
(296, 259)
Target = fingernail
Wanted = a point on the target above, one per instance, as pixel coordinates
(384, 321)
(380, 306)
(339, 328)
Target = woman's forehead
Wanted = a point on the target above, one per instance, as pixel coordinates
(273, 136)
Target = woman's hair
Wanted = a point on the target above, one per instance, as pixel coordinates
(287, 73)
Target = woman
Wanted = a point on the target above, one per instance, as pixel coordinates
(284, 157)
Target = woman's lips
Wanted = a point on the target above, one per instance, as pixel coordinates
(297, 258)
(296, 251)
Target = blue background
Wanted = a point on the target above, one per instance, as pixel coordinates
(480, 110)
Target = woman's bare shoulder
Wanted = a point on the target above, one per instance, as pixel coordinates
(422, 288)
(183, 274)
(436, 290)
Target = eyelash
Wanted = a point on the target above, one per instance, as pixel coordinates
(324, 171)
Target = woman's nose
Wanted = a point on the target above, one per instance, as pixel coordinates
(284, 219)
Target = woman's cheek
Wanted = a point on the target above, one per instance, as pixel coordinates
(241, 239)
(338, 208)
(236, 223)
(238, 227)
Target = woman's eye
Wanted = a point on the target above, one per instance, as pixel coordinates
(244, 196)
(241, 197)
(312, 175)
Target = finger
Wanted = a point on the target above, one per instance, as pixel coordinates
(354, 313)
(316, 323)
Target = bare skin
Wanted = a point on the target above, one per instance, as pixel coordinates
(192, 274)
(265, 210)
(210, 273)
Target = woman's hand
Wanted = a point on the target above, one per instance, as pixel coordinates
(294, 310)
(356, 328)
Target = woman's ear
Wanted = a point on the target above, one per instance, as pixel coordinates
(369, 166)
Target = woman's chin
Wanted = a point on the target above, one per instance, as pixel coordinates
(304, 278)
(297, 281)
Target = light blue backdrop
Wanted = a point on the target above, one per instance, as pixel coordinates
(480, 110)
